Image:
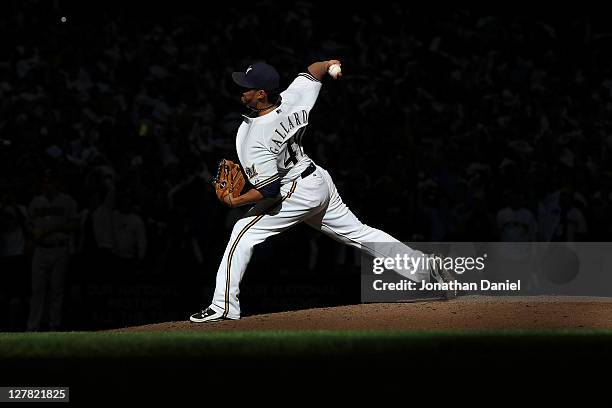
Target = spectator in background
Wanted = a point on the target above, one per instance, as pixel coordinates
(518, 228)
(129, 235)
(435, 205)
(13, 263)
(560, 218)
(101, 218)
(52, 218)
(516, 223)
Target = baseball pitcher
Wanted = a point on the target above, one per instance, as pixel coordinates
(283, 185)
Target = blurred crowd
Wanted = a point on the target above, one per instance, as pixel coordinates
(461, 126)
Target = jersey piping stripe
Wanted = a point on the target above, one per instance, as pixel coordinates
(261, 185)
(267, 181)
(308, 76)
(244, 230)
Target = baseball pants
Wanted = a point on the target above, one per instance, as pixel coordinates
(49, 267)
(313, 200)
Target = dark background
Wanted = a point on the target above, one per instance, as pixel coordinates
(475, 125)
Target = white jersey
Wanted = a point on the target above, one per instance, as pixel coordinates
(269, 146)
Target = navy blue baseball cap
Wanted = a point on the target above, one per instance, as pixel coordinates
(258, 76)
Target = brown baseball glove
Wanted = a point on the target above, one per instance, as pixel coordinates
(229, 181)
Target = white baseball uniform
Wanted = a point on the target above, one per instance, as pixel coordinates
(269, 149)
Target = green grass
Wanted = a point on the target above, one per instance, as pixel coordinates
(293, 343)
(134, 365)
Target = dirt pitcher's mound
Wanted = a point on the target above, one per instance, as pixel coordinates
(465, 313)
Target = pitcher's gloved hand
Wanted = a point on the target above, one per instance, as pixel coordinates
(229, 182)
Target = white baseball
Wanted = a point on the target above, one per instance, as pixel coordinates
(334, 70)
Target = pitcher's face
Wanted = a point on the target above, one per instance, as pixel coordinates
(250, 97)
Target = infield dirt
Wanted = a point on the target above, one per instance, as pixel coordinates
(464, 313)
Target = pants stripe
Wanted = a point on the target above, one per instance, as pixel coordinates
(231, 253)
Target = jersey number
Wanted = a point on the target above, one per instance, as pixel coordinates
(290, 155)
(294, 147)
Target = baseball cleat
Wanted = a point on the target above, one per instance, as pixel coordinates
(207, 315)
(440, 274)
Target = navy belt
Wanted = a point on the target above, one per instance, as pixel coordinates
(309, 170)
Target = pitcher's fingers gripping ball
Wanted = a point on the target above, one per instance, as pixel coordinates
(229, 182)
(334, 70)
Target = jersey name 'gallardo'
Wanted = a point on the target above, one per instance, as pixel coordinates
(287, 127)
